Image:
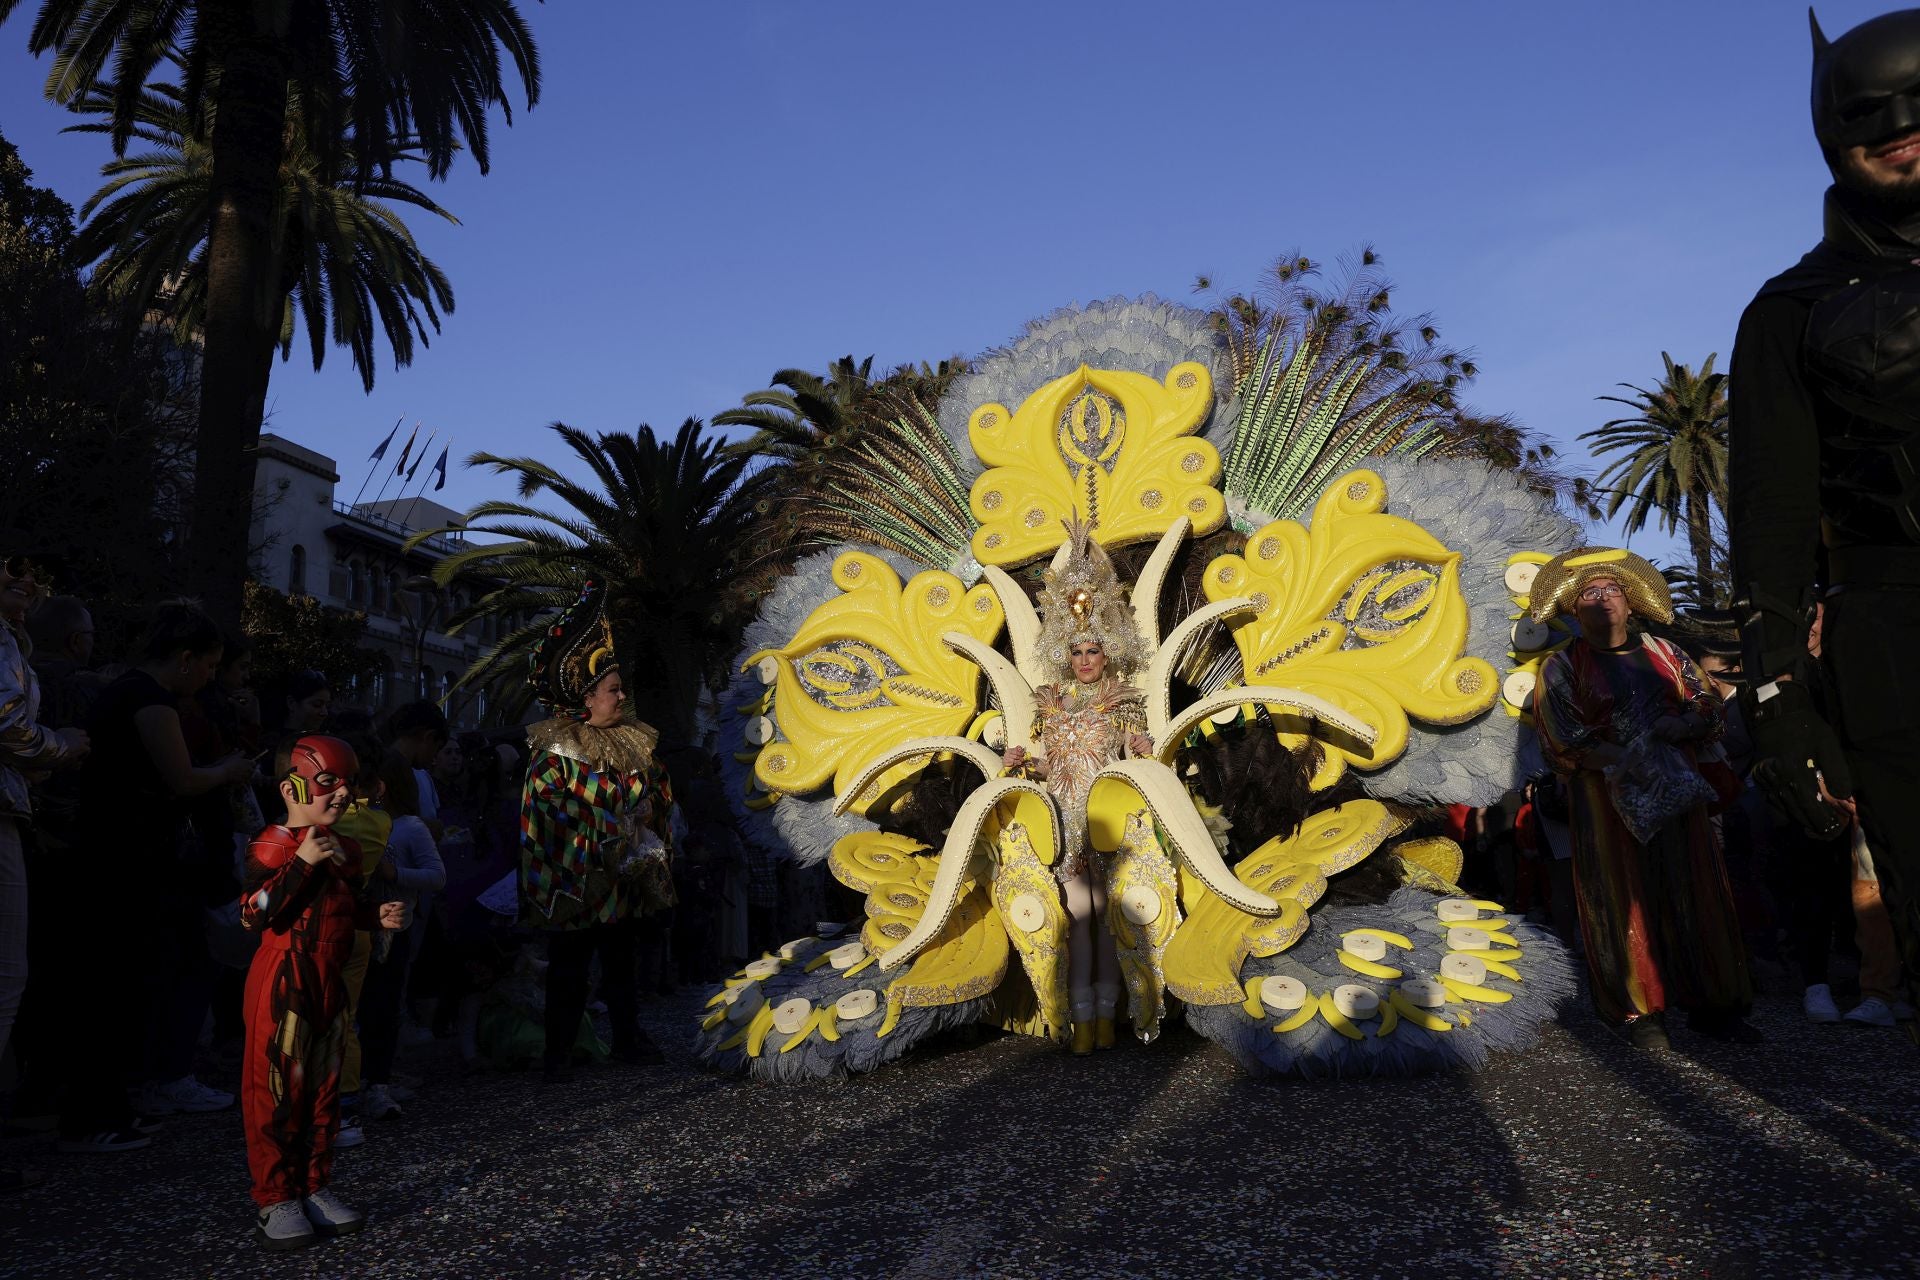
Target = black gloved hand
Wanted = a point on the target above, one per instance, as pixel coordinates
(1794, 749)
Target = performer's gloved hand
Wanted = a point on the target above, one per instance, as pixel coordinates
(1794, 752)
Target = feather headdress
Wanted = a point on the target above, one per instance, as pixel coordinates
(1081, 600)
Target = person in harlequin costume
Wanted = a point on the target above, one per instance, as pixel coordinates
(303, 897)
(593, 830)
(1083, 723)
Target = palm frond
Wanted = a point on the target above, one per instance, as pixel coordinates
(1668, 461)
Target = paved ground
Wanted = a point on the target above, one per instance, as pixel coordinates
(1800, 1157)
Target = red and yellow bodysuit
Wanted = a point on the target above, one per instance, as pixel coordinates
(296, 1010)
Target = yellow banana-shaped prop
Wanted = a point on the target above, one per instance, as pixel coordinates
(1468, 991)
(1011, 689)
(1145, 600)
(1173, 812)
(1338, 1020)
(958, 860)
(1425, 1019)
(1389, 1019)
(1299, 1018)
(1371, 968)
(982, 757)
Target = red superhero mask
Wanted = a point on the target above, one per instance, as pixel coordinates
(321, 766)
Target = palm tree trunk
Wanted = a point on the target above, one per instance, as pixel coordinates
(664, 683)
(1700, 537)
(242, 307)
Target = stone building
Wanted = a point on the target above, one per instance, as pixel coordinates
(351, 555)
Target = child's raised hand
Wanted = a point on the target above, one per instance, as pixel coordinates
(395, 915)
(317, 846)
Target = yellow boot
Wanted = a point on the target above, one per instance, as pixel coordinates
(1082, 1039)
(1106, 1003)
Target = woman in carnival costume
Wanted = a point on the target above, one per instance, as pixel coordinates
(1082, 724)
(593, 822)
(1630, 720)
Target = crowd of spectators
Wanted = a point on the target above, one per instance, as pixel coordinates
(130, 784)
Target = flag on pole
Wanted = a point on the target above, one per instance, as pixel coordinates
(381, 452)
(440, 469)
(425, 445)
(402, 465)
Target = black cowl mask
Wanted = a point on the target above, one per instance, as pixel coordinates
(1866, 84)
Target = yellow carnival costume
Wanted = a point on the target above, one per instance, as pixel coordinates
(1353, 654)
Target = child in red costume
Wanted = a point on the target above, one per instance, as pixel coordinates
(303, 897)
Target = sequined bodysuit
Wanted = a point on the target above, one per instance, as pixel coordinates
(1081, 729)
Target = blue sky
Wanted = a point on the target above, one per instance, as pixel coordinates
(707, 193)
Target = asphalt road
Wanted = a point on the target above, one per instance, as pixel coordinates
(1006, 1158)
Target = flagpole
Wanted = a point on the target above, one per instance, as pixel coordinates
(421, 491)
(396, 470)
(378, 455)
(413, 471)
(418, 458)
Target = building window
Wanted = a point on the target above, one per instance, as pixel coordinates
(380, 598)
(297, 572)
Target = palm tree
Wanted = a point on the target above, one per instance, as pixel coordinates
(1673, 455)
(375, 71)
(801, 413)
(665, 523)
(348, 256)
(855, 457)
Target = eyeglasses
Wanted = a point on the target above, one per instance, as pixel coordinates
(24, 567)
(1594, 595)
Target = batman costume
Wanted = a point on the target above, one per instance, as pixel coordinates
(1825, 471)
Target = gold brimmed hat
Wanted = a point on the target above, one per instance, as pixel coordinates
(1563, 577)
(576, 651)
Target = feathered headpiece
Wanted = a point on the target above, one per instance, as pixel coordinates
(1081, 600)
(576, 651)
(1561, 579)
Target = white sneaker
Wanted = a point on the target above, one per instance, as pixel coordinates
(1818, 1002)
(379, 1103)
(283, 1226)
(107, 1140)
(184, 1094)
(349, 1134)
(1871, 1012)
(330, 1215)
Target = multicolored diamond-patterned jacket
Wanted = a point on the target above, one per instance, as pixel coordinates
(588, 793)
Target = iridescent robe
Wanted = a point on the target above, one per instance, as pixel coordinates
(1658, 918)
